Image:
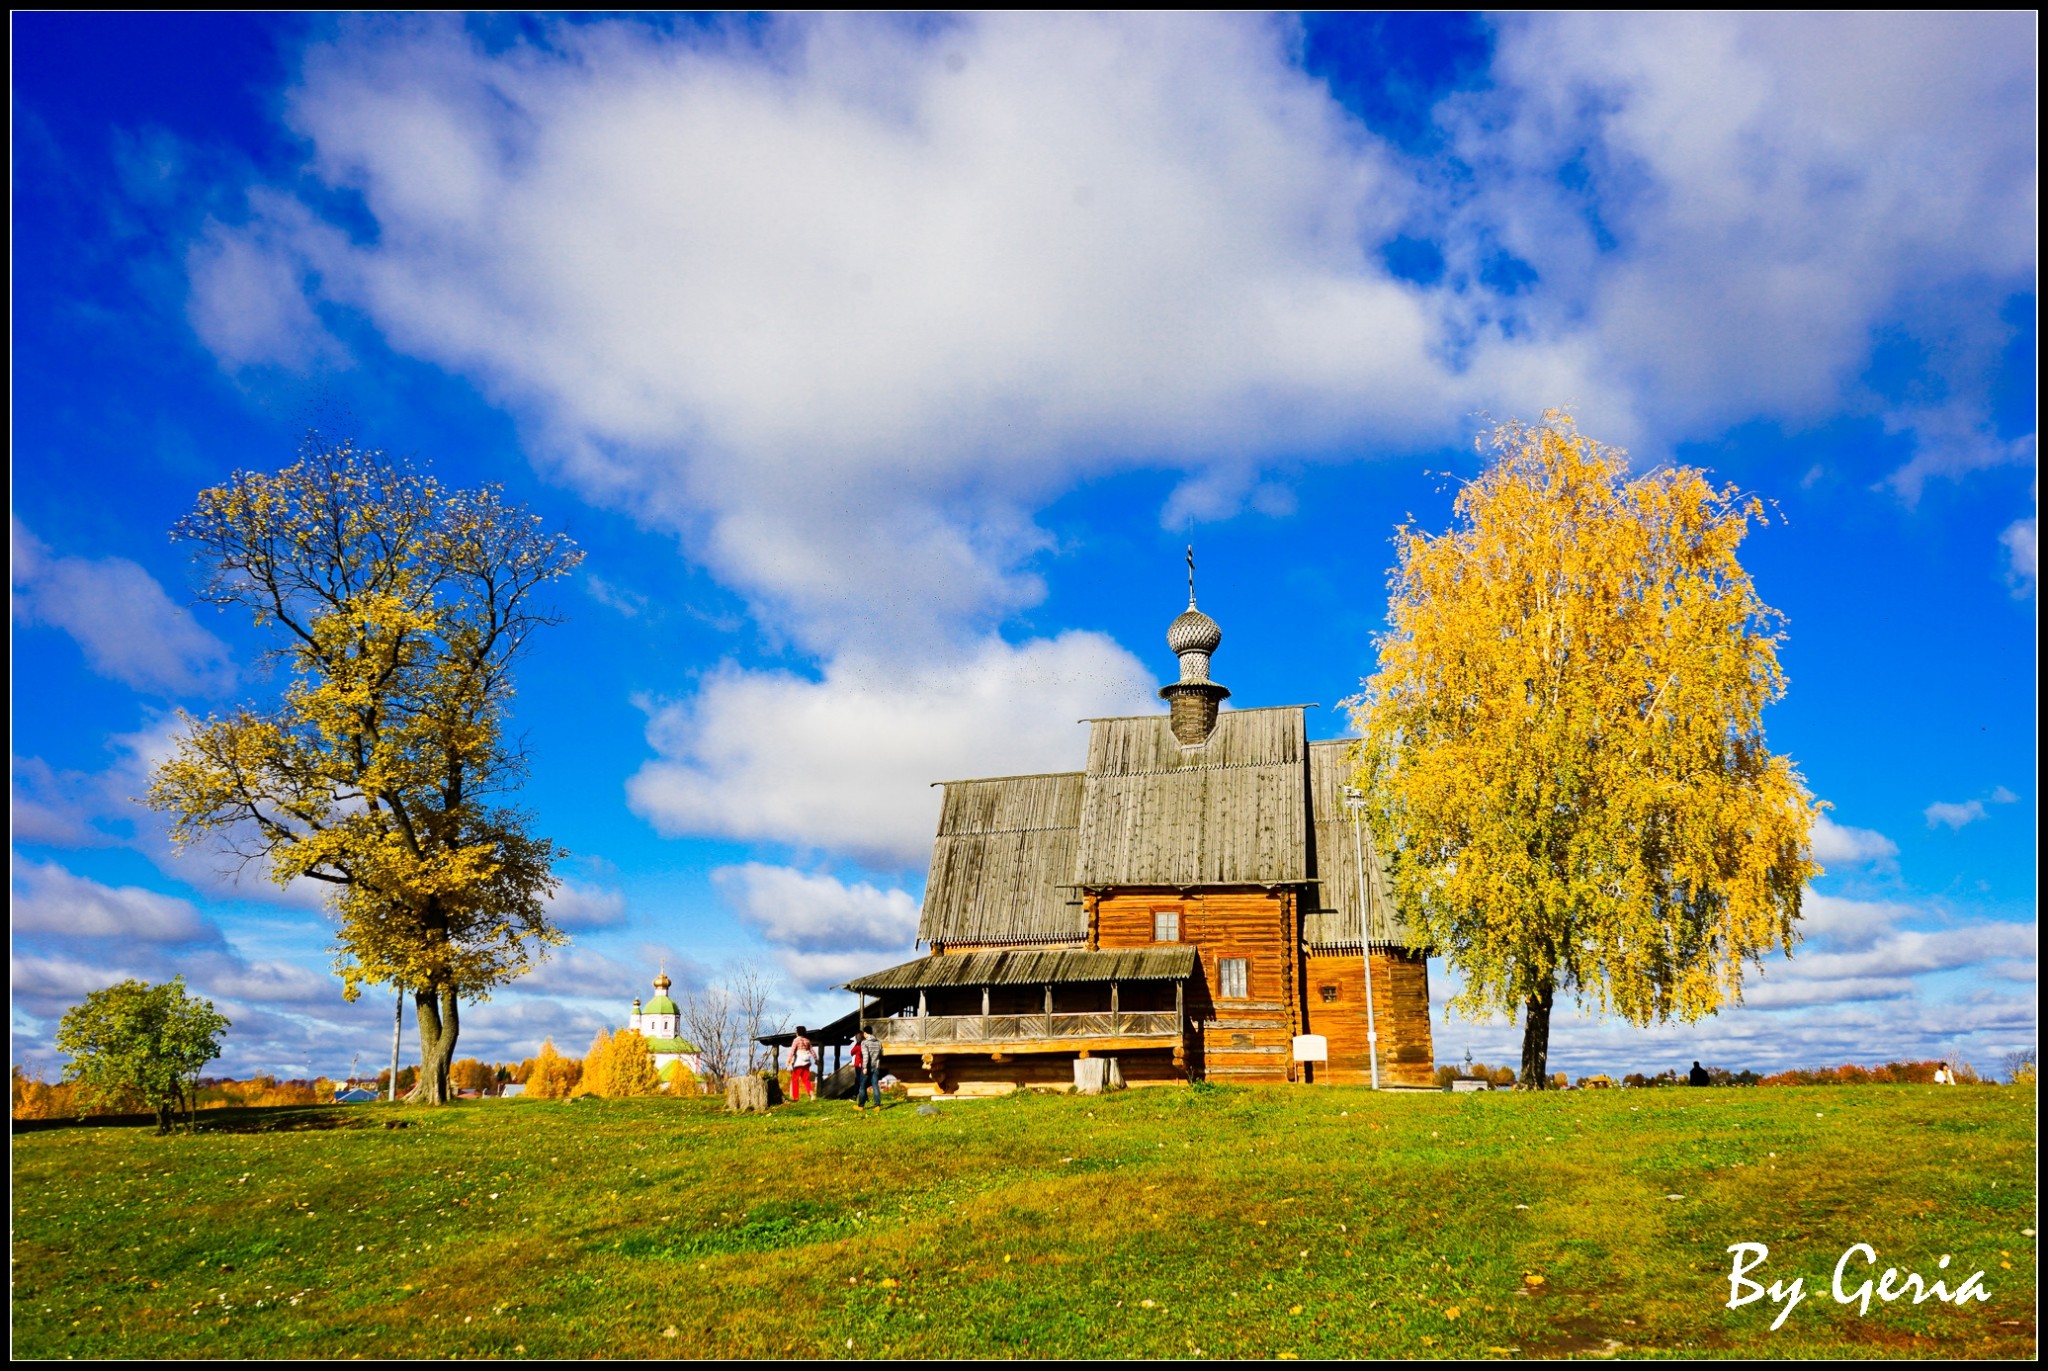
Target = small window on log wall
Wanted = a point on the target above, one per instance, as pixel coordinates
(1166, 925)
(1231, 972)
(1329, 994)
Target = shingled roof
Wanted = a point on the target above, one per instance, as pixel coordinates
(1333, 919)
(1034, 966)
(1003, 864)
(1231, 811)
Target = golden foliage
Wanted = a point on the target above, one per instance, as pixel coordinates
(36, 1098)
(680, 1080)
(399, 607)
(551, 1076)
(597, 1067)
(631, 1066)
(471, 1074)
(618, 1065)
(1563, 746)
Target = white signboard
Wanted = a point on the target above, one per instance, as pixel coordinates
(1311, 1047)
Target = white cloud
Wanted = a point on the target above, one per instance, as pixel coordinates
(580, 973)
(1870, 982)
(1734, 222)
(249, 303)
(845, 763)
(46, 898)
(1839, 845)
(845, 301)
(585, 906)
(1954, 815)
(1915, 952)
(627, 602)
(844, 305)
(117, 613)
(2021, 541)
(823, 929)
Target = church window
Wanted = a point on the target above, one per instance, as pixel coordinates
(1166, 925)
(1231, 972)
(1329, 994)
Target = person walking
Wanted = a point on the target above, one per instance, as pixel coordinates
(867, 1068)
(801, 1056)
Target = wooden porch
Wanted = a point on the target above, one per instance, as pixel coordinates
(1002, 1034)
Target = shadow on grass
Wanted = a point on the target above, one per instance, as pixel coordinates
(236, 1119)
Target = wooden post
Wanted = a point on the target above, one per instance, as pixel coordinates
(984, 1002)
(1180, 1019)
(920, 1003)
(1048, 1001)
(1115, 1009)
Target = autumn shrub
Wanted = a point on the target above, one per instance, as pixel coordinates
(680, 1080)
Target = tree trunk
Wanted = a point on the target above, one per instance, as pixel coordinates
(439, 1024)
(163, 1117)
(1535, 1074)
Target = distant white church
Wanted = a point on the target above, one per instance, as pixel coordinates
(661, 1023)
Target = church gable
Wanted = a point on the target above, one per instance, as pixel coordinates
(1231, 810)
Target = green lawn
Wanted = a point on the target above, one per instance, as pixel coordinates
(1159, 1223)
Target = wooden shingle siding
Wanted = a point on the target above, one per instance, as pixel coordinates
(1003, 861)
(1331, 916)
(1229, 812)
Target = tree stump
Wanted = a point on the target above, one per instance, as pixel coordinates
(746, 1095)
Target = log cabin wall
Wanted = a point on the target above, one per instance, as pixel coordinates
(1247, 1039)
(1334, 983)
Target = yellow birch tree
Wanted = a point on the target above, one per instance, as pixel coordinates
(1563, 747)
(399, 606)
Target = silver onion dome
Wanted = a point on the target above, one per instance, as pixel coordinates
(1193, 631)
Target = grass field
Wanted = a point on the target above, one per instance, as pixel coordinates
(1161, 1223)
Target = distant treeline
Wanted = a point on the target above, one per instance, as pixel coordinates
(36, 1098)
(1891, 1073)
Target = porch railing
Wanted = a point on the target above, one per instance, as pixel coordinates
(1015, 1028)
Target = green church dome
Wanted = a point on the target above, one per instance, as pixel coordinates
(660, 1004)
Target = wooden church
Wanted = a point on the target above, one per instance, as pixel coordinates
(1196, 904)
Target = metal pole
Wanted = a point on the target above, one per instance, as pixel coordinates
(397, 1023)
(1355, 802)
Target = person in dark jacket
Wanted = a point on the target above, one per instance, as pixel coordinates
(867, 1068)
(1697, 1076)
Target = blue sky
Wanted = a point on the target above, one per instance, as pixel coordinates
(883, 367)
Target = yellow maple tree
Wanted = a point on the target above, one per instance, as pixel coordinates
(399, 606)
(1563, 748)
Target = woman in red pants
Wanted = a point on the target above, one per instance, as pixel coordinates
(800, 1057)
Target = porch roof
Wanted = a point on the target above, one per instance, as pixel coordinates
(1033, 966)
